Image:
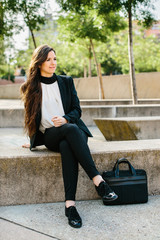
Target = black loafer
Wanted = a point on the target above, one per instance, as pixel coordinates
(106, 192)
(74, 219)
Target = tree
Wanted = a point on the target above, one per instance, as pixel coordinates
(87, 25)
(110, 66)
(31, 10)
(131, 8)
(6, 27)
(115, 54)
(10, 10)
(7, 23)
(70, 63)
(146, 52)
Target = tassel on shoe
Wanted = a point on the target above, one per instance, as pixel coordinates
(106, 192)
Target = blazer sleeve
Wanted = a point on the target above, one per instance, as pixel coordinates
(74, 111)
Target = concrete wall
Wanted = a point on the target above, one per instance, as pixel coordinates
(10, 91)
(115, 87)
(118, 86)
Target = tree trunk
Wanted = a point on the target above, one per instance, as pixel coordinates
(90, 58)
(33, 38)
(131, 58)
(85, 71)
(101, 91)
(101, 82)
(9, 76)
(1, 20)
(89, 69)
(28, 20)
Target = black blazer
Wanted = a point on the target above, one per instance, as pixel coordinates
(71, 107)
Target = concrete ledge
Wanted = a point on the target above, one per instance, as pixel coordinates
(85, 102)
(36, 177)
(91, 112)
(11, 112)
(129, 128)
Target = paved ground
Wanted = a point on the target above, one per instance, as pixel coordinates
(47, 221)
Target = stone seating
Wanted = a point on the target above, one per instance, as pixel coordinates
(36, 176)
(129, 128)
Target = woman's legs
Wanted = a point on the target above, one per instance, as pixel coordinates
(69, 170)
(75, 139)
(78, 144)
(72, 144)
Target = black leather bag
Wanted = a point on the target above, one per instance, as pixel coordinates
(130, 185)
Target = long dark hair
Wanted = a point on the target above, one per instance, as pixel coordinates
(31, 91)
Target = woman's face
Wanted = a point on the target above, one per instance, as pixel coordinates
(48, 67)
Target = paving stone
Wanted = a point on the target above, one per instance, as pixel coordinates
(123, 222)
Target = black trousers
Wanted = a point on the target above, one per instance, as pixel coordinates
(71, 142)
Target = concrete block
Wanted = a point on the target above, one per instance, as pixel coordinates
(11, 118)
(11, 113)
(138, 110)
(10, 91)
(91, 112)
(130, 128)
(36, 177)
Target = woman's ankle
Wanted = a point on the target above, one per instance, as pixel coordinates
(97, 180)
(70, 203)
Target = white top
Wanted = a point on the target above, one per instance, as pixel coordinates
(51, 105)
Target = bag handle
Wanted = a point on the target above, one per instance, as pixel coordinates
(123, 160)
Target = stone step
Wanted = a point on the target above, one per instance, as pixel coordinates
(12, 112)
(36, 176)
(84, 102)
(129, 128)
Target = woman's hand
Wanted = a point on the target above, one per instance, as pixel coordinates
(26, 145)
(59, 121)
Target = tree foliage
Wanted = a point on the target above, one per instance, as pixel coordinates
(132, 8)
(112, 54)
(31, 10)
(8, 21)
(87, 25)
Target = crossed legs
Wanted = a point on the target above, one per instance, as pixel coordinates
(72, 144)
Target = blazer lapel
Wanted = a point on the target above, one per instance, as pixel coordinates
(62, 91)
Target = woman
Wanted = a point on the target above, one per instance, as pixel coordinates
(52, 118)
